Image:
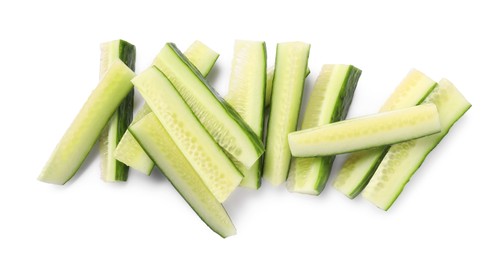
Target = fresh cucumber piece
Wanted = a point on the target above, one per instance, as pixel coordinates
(329, 102)
(366, 132)
(246, 95)
(220, 119)
(360, 166)
(202, 57)
(128, 150)
(111, 169)
(82, 134)
(193, 140)
(269, 83)
(403, 160)
(174, 165)
(288, 85)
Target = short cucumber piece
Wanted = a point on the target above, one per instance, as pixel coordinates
(246, 95)
(269, 83)
(288, 85)
(128, 150)
(174, 165)
(87, 126)
(366, 132)
(402, 160)
(360, 166)
(221, 120)
(193, 140)
(111, 169)
(329, 102)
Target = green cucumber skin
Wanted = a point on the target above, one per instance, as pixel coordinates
(358, 189)
(340, 113)
(125, 110)
(256, 142)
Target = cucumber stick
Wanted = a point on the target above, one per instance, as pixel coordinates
(288, 85)
(128, 150)
(193, 140)
(360, 166)
(366, 132)
(174, 165)
(111, 169)
(221, 120)
(246, 95)
(84, 131)
(329, 102)
(402, 160)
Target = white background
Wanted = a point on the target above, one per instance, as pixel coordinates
(49, 62)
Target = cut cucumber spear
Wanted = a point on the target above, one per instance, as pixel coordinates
(329, 102)
(206, 157)
(221, 120)
(402, 160)
(288, 85)
(87, 126)
(174, 165)
(128, 150)
(246, 95)
(366, 132)
(111, 169)
(360, 166)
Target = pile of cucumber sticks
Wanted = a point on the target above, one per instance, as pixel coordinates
(207, 145)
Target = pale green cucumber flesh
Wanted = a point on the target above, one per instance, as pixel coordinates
(202, 57)
(218, 117)
(193, 140)
(174, 165)
(366, 132)
(329, 102)
(359, 167)
(288, 85)
(403, 160)
(269, 83)
(112, 169)
(84, 131)
(128, 150)
(246, 95)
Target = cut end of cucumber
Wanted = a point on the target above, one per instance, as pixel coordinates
(411, 91)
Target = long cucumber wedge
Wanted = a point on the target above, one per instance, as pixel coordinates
(174, 165)
(218, 117)
(403, 160)
(360, 166)
(288, 84)
(329, 102)
(82, 134)
(366, 132)
(128, 150)
(112, 169)
(246, 95)
(206, 157)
